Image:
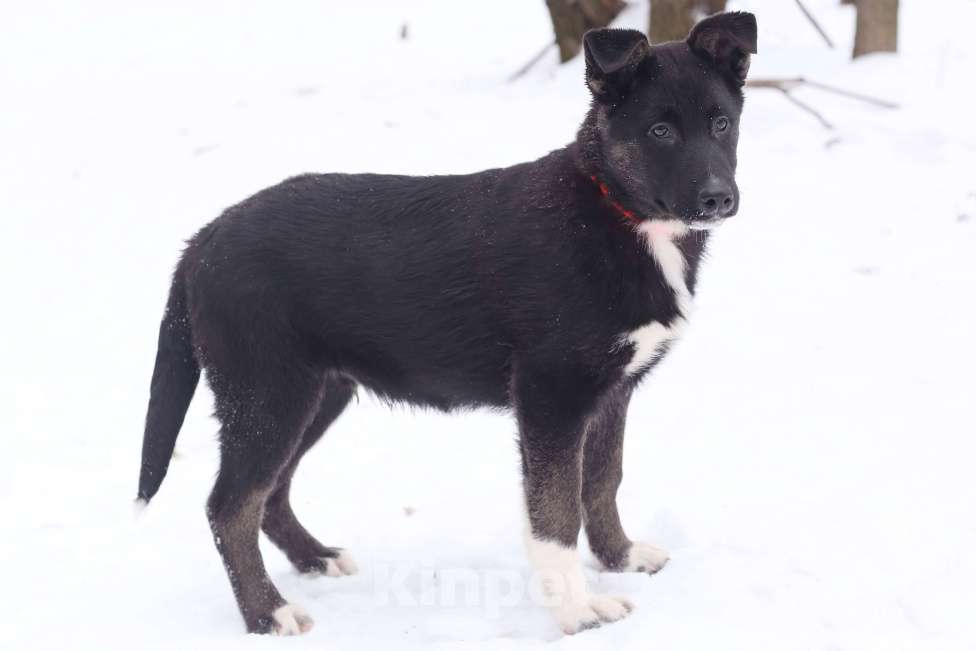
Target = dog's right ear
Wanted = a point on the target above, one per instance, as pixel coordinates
(726, 39)
(613, 57)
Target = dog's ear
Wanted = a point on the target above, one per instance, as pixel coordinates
(613, 57)
(727, 39)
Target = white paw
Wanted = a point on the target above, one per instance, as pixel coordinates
(592, 612)
(341, 565)
(645, 558)
(291, 620)
(560, 576)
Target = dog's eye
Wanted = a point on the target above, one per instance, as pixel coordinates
(660, 131)
(721, 124)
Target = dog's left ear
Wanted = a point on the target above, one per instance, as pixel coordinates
(613, 57)
(727, 39)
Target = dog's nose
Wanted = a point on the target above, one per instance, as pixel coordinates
(716, 199)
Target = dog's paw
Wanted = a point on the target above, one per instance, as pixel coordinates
(592, 612)
(339, 565)
(645, 558)
(290, 620)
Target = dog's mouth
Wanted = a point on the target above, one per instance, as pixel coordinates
(706, 224)
(695, 221)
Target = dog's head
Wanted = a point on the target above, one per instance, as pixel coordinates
(664, 124)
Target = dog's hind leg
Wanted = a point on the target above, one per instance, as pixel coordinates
(263, 416)
(602, 474)
(280, 524)
(552, 407)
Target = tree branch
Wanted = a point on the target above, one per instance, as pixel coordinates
(531, 62)
(806, 107)
(789, 83)
(816, 25)
(883, 103)
(786, 86)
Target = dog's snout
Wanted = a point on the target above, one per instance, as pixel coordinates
(716, 199)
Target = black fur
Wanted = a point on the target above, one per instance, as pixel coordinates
(174, 382)
(510, 288)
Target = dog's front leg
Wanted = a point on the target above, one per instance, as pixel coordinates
(602, 473)
(552, 410)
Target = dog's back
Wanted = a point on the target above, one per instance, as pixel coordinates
(419, 287)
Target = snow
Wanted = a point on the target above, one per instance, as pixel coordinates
(804, 454)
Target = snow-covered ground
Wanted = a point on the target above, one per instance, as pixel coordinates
(806, 453)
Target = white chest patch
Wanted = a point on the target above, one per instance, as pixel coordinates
(649, 339)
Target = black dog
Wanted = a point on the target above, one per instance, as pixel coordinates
(548, 288)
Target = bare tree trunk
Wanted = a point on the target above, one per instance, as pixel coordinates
(877, 27)
(671, 20)
(571, 19)
(599, 13)
(712, 6)
(568, 26)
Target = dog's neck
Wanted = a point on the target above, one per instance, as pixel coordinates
(656, 236)
(652, 228)
(604, 189)
(590, 161)
(590, 158)
(590, 165)
(587, 151)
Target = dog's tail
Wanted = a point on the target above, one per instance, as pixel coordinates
(174, 380)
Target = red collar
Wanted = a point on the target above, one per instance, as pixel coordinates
(605, 191)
